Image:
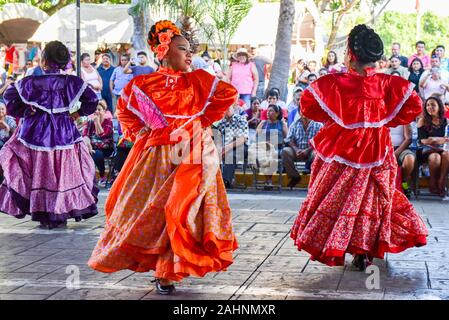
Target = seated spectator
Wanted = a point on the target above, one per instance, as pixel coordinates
(432, 138)
(80, 122)
(421, 54)
(312, 66)
(401, 138)
(395, 66)
(311, 78)
(233, 135)
(7, 125)
(322, 72)
(99, 132)
(396, 51)
(273, 130)
(294, 109)
(416, 70)
(439, 51)
(123, 148)
(435, 63)
(395, 73)
(300, 73)
(273, 98)
(298, 149)
(240, 107)
(253, 116)
(382, 65)
(433, 85)
(332, 65)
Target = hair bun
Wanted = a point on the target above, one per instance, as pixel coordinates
(57, 54)
(365, 44)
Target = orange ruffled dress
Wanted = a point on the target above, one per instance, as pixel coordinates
(171, 218)
(352, 205)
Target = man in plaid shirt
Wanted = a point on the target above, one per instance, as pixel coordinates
(232, 137)
(299, 134)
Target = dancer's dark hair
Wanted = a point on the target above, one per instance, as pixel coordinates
(56, 55)
(365, 44)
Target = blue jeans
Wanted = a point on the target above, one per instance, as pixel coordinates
(99, 156)
(247, 98)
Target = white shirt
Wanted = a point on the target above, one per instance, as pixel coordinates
(397, 135)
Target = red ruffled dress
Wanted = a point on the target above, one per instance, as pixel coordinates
(352, 204)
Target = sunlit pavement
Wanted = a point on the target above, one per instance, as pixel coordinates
(45, 264)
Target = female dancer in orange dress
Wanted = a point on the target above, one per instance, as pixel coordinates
(353, 205)
(164, 214)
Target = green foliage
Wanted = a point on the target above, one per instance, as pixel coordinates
(397, 27)
(50, 5)
(226, 16)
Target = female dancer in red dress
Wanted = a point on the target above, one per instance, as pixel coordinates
(352, 205)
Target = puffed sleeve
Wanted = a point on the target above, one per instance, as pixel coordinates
(14, 104)
(407, 105)
(130, 123)
(311, 108)
(89, 102)
(224, 96)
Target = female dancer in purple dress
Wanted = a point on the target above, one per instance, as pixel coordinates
(49, 173)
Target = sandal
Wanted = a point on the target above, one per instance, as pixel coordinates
(362, 261)
(164, 290)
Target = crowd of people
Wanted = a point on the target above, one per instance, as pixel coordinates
(174, 218)
(429, 75)
(260, 120)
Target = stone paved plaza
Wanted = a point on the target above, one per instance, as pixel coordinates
(38, 264)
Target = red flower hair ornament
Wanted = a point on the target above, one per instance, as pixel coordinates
(161, 37)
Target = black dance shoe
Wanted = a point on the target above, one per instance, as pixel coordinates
(164, 290)
(360, 262)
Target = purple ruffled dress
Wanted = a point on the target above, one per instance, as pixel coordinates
(49, 172)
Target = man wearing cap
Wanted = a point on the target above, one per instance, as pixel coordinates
(243, 76)
(105, 70)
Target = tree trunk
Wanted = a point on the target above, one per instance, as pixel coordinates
(341, 13)
(138, 39)
(281, 63)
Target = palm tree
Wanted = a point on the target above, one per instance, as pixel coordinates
(137, 11)
(188, 14)
(226, 17)
(281, 62)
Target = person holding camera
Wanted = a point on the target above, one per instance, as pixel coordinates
(433, 85)
(141, 67)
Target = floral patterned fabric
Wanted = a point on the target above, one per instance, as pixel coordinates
(356, 211)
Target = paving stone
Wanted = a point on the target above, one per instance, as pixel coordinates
(39, 290)
(271, 227)
(179, 295)
(332, 295)
(284, 264)
(23, 297)
(98, 294)
(419, 294)
(311, 268)
(259, 297)
(267, 265)
(303, 281)
(7, 289)
(246, 262)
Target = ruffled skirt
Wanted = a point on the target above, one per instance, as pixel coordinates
(51, 186)
(356, 211)
(174, 220)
